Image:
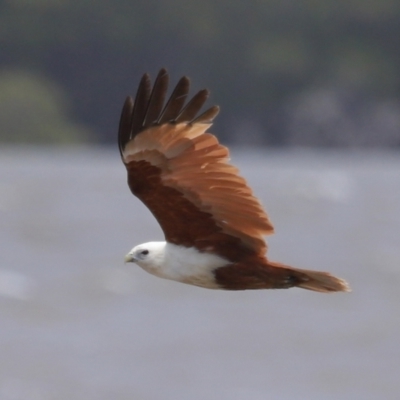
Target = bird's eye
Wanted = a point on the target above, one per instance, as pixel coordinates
(144, 252)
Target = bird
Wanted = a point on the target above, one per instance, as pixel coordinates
(213, 224)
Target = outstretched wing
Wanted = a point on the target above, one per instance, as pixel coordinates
(183, 175)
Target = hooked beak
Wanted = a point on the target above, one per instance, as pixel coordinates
(129, 258)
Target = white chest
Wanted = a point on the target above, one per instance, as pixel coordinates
(186, 265)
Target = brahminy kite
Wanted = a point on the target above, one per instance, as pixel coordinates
(214, 226)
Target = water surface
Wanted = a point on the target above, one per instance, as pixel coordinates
(76, 323)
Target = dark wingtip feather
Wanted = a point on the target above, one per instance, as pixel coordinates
(191, 109)
(124, 130)
(141, 104)
(148, 108)
(176, 101)
(157, 97)
(207, 116)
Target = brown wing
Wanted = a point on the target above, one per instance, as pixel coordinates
(182, 174)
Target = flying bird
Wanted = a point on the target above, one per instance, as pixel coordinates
(214, 226)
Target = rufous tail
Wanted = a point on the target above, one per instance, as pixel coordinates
(314, 280)
(321, 281)
(274, 275)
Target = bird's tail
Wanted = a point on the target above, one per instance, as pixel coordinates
(322, 282)
(314, 280)
(273, 275)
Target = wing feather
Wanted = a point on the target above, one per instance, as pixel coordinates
(140, 106)
(176, 101)
(191, 109)
(125, 122)
(156, 102)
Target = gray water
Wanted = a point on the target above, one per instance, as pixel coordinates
(76, 323)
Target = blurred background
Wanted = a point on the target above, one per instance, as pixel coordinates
(310, 106)
(321, 73)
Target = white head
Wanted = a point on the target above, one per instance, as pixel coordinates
(150, 256)
(178, 263)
